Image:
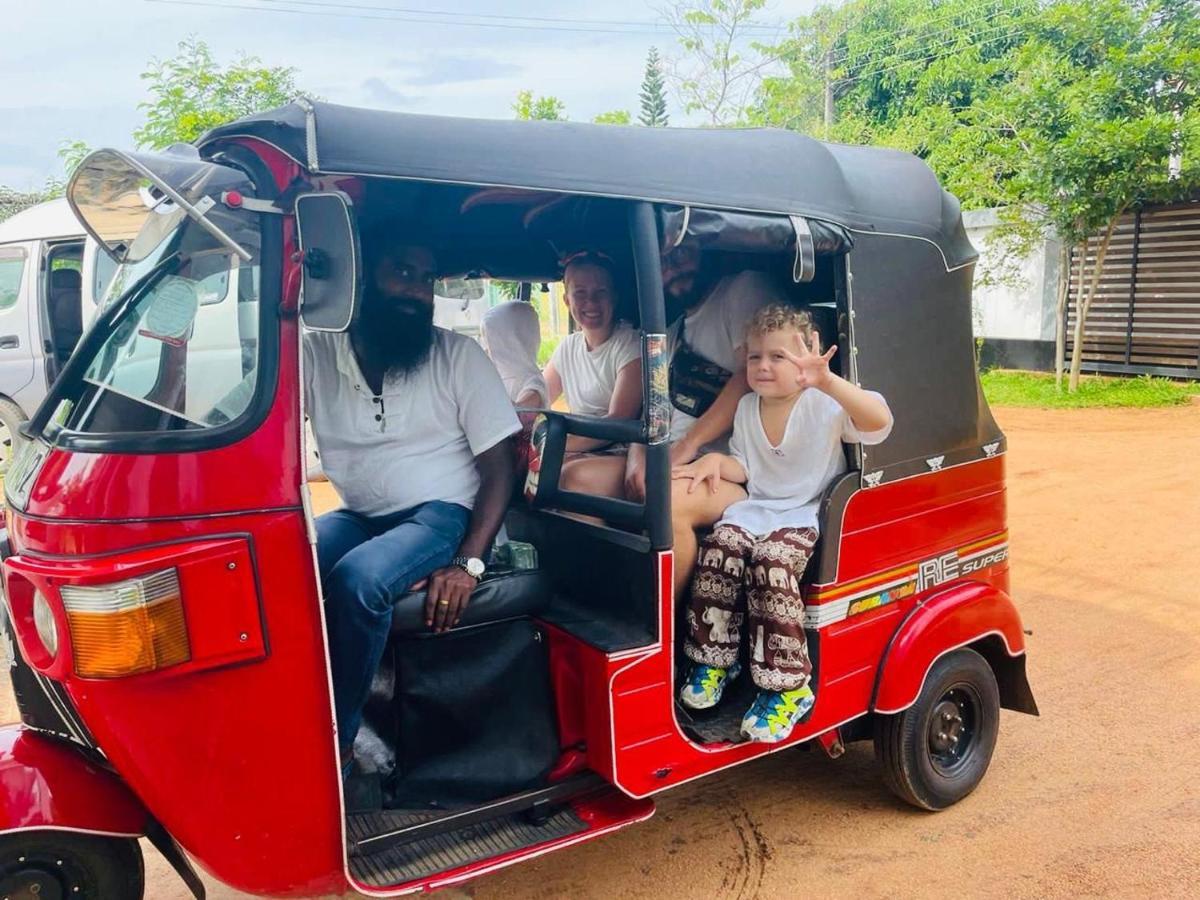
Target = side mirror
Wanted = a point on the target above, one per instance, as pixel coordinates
(332, 276)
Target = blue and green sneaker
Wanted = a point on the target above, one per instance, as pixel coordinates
(705, 684)
(775, 713)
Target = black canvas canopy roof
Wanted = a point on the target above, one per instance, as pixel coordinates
(866, 189)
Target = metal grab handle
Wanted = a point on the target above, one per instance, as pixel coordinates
(10, 342)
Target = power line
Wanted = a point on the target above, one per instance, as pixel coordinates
(936, 33)
(916, 54)
(633, 23)
(933, 57)
(641, 27)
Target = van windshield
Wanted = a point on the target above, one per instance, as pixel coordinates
(180, 349)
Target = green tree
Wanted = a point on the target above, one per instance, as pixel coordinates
(653, 94)
(721, 65)
(900, 73)
(614, 117)
(548, 108)
(191, 93)
(1100, 115)
(14, 201)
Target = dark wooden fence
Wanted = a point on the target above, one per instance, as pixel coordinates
(1145, 318)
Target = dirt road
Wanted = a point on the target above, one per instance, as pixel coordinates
(1098, 797)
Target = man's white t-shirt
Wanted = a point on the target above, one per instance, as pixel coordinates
(785, 483)
(589, 377)
(415, 442)
(716, 329)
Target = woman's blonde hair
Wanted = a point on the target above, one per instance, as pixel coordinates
(778, 317)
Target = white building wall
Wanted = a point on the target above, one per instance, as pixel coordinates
(1020, 302)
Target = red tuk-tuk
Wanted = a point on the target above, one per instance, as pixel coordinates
(163, 610)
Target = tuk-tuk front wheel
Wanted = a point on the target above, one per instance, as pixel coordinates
(935, 752)
(60, 865)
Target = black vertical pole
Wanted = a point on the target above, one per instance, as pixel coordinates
(643, 233)
(1133, 275)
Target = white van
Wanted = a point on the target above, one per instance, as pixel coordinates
(51, 278)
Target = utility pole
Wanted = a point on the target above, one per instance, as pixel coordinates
(827, 67)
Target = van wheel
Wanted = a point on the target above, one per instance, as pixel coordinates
(935, 752)
(11, 419)
(60, 865)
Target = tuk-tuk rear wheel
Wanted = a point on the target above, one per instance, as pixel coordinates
(936, 752)
(61, 865)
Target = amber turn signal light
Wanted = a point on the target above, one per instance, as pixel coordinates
(128, 627)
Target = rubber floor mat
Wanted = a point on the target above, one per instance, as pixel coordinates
(440, 853)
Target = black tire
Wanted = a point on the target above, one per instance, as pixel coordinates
(48, 865)
(11, 419)
(935, 752)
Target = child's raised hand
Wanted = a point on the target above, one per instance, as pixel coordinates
(812, 366)
(706, 469)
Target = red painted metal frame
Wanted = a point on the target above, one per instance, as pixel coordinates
(238, 763)
(46, 783)
(638, 744)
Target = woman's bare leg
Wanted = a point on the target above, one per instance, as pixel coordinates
(689, 512)
(602, 476)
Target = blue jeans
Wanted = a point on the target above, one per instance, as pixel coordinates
(365, 565)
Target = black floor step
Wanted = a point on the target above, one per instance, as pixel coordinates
(440, 853)
(723, 723)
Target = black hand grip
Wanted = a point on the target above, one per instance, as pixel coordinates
(10, 342)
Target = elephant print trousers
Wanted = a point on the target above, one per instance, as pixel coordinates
(742, 581)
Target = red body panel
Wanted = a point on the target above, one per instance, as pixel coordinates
(887, 532)
(238, 762)
(45, 783)
(951, 619)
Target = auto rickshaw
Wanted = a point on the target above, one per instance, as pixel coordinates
(163, 614)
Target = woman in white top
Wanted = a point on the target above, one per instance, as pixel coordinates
(511, 334)
(599, 369)
(786, 448)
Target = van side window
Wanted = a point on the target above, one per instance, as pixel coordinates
(12, 270)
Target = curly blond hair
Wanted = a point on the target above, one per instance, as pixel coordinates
(778, 317)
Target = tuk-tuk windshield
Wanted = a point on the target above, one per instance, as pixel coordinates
(180, 349)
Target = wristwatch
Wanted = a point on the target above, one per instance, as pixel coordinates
(472, 565)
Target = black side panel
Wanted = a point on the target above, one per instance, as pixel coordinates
(598, 573)
(913, 343)
(474, 712)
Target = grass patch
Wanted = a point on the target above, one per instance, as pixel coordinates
(546, 349)
(1008, 388)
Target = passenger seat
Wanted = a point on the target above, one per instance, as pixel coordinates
(66, 312)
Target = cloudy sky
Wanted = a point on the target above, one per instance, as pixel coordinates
(69, 69)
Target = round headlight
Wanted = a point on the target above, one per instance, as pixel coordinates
(43, 621)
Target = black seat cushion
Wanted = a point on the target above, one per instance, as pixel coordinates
(502, 594)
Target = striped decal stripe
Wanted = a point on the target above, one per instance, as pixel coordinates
(827, 604)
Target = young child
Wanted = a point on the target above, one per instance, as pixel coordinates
(786, 448)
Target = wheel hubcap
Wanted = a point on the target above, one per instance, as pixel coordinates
(33, 882)
(952, 729)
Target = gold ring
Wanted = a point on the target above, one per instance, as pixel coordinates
(443, 603)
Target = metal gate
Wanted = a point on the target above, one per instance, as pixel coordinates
(1145, 318)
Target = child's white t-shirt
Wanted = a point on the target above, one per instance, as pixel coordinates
(589, 377)
(785, 483)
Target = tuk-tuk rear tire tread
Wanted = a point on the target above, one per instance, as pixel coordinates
(900, 739)
(114, 867)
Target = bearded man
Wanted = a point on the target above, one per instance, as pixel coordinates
(412, 424)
